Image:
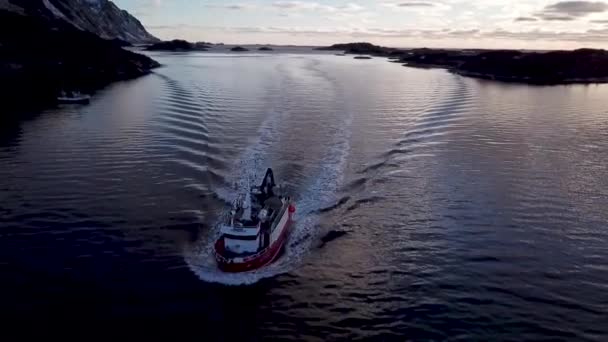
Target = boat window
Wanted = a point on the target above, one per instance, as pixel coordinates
(235, 237)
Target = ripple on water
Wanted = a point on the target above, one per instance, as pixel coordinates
(446, 208)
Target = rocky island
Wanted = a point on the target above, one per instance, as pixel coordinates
(178, 45)
(554, 67)
(45, 53)
(239, 49)
(543, 68)
(358, 48)
(265, 48)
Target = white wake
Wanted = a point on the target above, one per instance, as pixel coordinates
(321, 189)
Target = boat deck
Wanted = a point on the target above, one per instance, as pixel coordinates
(222, 251)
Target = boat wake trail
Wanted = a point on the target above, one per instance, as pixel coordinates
(200, 256)
(316, 191)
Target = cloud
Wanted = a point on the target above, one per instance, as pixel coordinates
(233, 6)
(600, 35)
(559, 18)
(425, 6)
(463, 33)
(571, 10)
(400, 22)
(236, 7)
(351, 7)
(409, 4)
(524, 19)
(294, 4)
(577, 8)
(315, 6)
(415, 4)
(501, 38)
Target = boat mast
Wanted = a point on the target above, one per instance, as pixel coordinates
(247, 203)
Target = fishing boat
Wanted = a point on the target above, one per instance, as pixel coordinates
(73, 98)
(255, 231)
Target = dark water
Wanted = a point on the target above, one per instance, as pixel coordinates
(456, 209)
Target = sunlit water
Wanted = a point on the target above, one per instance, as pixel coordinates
(473, 210)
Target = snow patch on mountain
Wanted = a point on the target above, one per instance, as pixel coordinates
(57, 13)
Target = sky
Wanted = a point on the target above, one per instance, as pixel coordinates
(523, 24)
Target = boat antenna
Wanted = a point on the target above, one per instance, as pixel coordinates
(247, 203)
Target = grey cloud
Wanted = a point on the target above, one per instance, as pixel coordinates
(235, 7)
(286, 4)
(231, 6)
(415, 4)
(600, 21)
(591, 36)
(463, 33)
(588, 36)
(315, 6)
(523, 19)
(558, 18)
(602, 31)
(571, 10)
(294, 5)
(577, 8)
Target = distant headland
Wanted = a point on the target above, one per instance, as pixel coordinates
(542, 68)
(178, 45)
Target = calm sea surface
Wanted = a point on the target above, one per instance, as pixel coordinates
(471, 210)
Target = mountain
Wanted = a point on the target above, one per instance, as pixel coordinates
(42, 55)
(101, 17)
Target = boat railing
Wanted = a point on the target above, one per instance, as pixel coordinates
(256, 255)
(220, 257)
(241, 231)
(280, 215)
(244, 259)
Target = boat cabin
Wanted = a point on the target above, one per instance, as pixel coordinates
(253, 220)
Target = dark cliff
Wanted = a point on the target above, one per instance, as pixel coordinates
(101, 17)
(39, 57)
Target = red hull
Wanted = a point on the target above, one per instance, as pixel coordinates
(252, 263)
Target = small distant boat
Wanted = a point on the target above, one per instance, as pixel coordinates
(363, 57)
(256, 230)
(73, 98)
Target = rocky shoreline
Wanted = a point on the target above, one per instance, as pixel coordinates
(41, 57)
(528, 80)
(582, 66)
